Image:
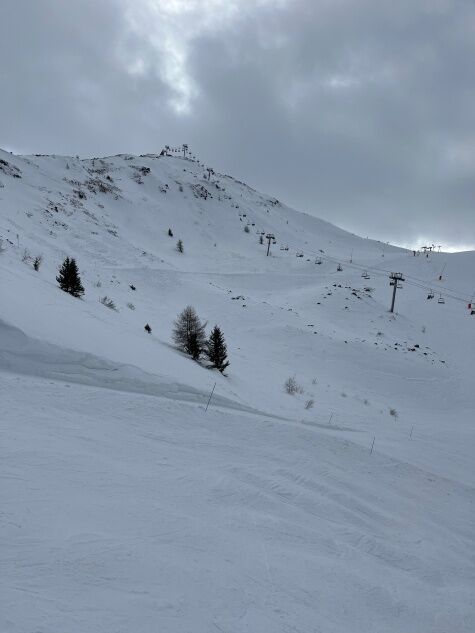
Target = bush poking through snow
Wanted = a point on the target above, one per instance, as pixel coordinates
(394, 413)
(189, 333)
(109, 303)
(291, 386)
(170, 233)
(69, 279)
(147, 328)
(309, 403)
(216, 349)
(131, 306)
(179, 246)
(37, 262)
(26, 257)
(246, 229)
(261, 239)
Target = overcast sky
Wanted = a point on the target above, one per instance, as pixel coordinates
(359, 111)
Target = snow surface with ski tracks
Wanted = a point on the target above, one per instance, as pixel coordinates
(127, 506)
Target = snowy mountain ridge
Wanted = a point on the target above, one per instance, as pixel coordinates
(268, 511)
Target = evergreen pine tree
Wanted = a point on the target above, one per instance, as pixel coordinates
(189, 333)
(69, 279)
(216, 349)
(170, 233)
(179, 246)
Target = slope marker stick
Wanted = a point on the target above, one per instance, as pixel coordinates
(210, 396)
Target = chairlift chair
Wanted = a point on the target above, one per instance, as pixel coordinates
(441, 299)
(430, 295)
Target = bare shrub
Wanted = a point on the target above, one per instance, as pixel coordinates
(109, 303)
(37, 262)
(393, 413)
(309, 403)
(26, 257)
(291, 386)
(98, 284)
(131, 306)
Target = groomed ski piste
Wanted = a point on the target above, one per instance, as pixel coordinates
(129, 504)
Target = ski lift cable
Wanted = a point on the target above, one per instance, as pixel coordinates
(413, 281)
(448, 295)
(383, 272)
(444, 292)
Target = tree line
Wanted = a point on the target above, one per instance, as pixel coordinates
(189, 332)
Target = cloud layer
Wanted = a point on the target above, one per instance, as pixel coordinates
(359, 111)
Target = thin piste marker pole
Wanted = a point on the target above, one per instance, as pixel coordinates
(210, 396)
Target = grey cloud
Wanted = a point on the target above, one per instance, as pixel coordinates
(361, 112)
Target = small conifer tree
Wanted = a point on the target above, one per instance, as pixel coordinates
(69, 279)
(179, 246)
(216, 349)
(170, 233)
(147, 328)
(189, 333)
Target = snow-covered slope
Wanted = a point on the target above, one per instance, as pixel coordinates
(259, 514)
